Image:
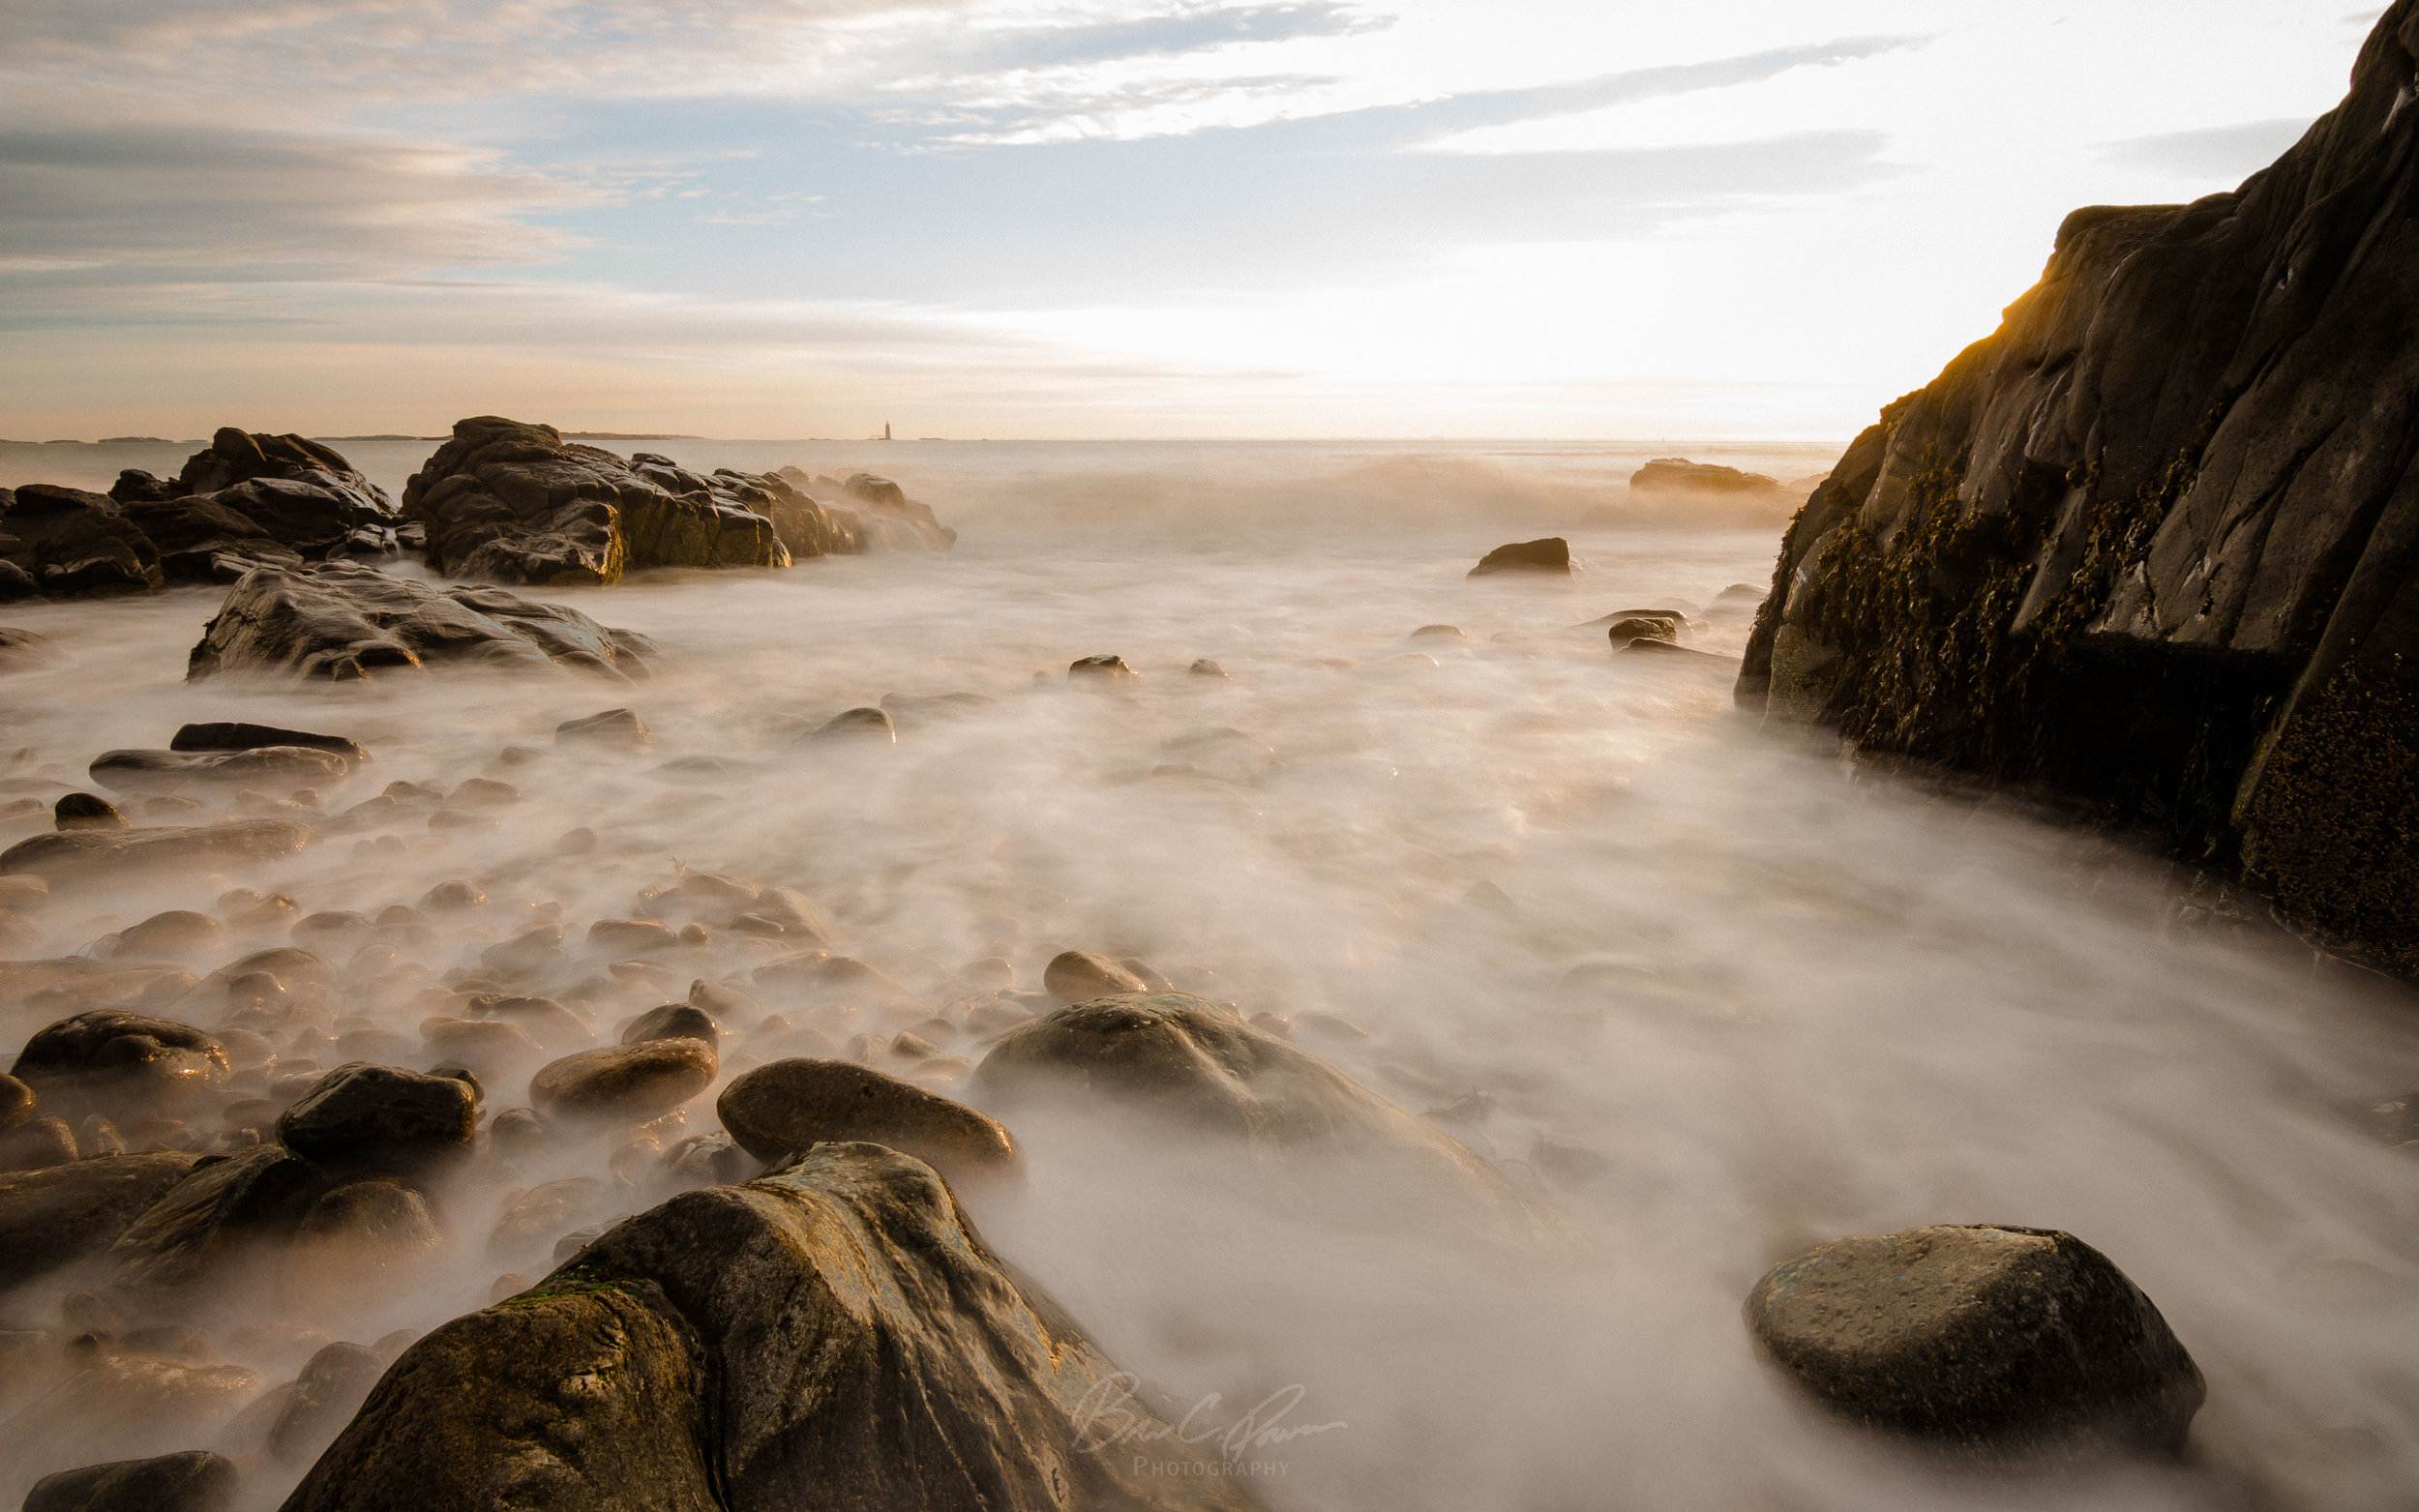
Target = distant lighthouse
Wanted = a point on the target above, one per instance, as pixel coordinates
(885, 429)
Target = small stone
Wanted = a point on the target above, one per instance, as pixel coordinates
(1444, 632)
(88, 811)
(621, 727)
(576, 842)
(456, 896)
(1988, 1339)
(782, 1109)
(624, 1083)
(178, 934)
(1077, 976)
(673, 1020)
(38, 1144)
(483, 792)
(362, 1118)
(1206, 668)
(1106, 668)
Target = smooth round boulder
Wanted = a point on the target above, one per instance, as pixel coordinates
(869, 724)
(1641, 627)
(192, 1481)
(1988, 1339)
(673, 1021)
(783, 1108)
(1547, 555)
(87, 811)
(362, 1118)
(1077, 976)
(178, 934)
(120, 1064)
(623, 1084)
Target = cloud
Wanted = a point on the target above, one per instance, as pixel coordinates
(997, 50)
(230, 199)
(2228, 153)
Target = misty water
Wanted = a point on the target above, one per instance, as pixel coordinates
(1709, 989)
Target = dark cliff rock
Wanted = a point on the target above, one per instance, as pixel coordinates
(344, 621)
(2152, 543)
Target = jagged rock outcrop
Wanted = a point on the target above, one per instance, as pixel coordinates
(342, 621)
(247, 499)
(512, 502)
(516, 503)
(832, 1334)
(2153, 542)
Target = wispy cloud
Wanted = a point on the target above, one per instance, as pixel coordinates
(2224, 152)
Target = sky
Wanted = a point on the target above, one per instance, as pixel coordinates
(1135, 217)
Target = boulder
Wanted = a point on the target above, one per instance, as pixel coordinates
(87, 811)
(1679, 475)
(1984, 1338)
(514, 503)
(1106, 668)
(358, 1243)
(623, 1084)
(225, 1207)
(869, 724)
(253, 738)
(673, 1021)
(16, 1103)
(782, 1108)
(622, 727)
(1075, 976)
(16, 584)
(177, 935)
(1551, 554)
(832, 1333)
(331, 1388)
(64, 1213)
(1635, 627)
(122, 1065)
(108, 855)
(177, 771)
(360, 1119)
(192, 1481)
(38, 1144)
(70, 544)
(344, 621)
(2151, 543)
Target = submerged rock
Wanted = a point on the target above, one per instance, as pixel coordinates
(611, 728)
(85, 854)
(64, 1213)
(174, 771)
(361, 1119)
(344, 621)
(1984, 1338)
(837, 1323)
(1629, 629)
(211, 1218)
(1549, 554)
(782, 1108)
(192, 1481)
(1110, 668)
(252, 737)
(1679, 475)
(515, 503)
(1075, 976)
(2149, 542)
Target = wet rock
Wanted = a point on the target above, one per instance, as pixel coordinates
(783, 1108)
(518, 1130)
(16, 1103)
(1664, 651)
(119, 1063)
(1549, 554)
(708, 1160)
(330, 1390)
(170, 771)
(221, 1209)
(38, 1144)
(16, 584)
(66, 1212)
(363, 1118)
(494, 1047)
(727, 1003)
(913, 1370)
(357, 1242)
(611, 728)
(1077, 976)
(342, 621)
(1440, 631)
(1106, 668)
(1679, 475)
(71, 543)
(867, 725)
(1622, 633)
(1984, 1338)
(178, 934)
(87, 811)
(455, 897)
(623, 1083)
(253, 738)
(195, 1480)
(1203, 667)
(547, 1021)
(631, 937)
(515, 503)
(104, 855)
(533, 1220)
(673, 1020)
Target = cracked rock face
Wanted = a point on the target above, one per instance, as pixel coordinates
(2153, 541)
(836, 1323)
(344, 621)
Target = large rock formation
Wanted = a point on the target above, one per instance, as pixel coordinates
(2153, 542)
(834, 1334)
(516, 503)
(344, 621)
(248, 499)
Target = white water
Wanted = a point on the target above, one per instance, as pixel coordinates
(1853, 1005)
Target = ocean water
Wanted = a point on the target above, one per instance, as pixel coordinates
(1710, 988)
